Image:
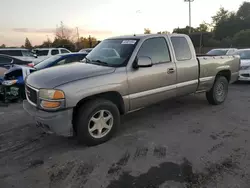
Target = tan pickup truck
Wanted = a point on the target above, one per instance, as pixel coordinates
(120, 75)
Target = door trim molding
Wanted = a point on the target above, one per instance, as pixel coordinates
(152, 91)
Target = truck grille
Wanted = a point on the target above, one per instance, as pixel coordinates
(31, 94)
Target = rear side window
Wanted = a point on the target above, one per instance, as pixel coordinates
(63, 51)
(54, 52)
(156, 49)
(181, 48)
(11, 52)
(42, 52)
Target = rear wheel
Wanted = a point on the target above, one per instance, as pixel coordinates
(97, 121)
(218, 93)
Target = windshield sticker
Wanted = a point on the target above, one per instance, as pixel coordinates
(129, 42)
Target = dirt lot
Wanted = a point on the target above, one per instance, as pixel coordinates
(178, 143)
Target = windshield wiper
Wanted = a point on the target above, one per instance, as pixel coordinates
(99, 62)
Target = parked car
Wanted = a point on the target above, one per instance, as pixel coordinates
(222, 51)
(87, 99)
(44, 53)
(19, 53)
(15, 76)
(86, 50)
(244, 54)
(7, 61)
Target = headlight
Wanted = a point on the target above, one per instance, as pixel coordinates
(51, 94)
(51, 99)
(9, 82)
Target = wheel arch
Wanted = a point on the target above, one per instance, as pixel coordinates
(225, 73)
(112, 96)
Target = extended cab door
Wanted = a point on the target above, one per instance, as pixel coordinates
(186, 64)
(149, 85)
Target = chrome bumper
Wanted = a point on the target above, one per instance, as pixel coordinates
(59, 123)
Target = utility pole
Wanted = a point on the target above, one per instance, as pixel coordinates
(189, 3)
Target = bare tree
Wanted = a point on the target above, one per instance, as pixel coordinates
(64, 32)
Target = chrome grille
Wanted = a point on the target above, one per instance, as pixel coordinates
(31, 94)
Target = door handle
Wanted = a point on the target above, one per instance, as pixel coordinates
(170, 70)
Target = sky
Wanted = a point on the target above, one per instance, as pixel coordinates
(38, 19)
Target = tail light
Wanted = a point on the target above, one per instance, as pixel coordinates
(31, 64)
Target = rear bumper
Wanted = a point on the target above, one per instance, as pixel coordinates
(59, 123)
(244, 75)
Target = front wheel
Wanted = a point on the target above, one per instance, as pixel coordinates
(218, 93)
(97, 121)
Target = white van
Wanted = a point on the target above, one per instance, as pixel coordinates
(44, 53)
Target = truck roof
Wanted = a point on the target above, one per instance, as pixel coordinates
(141, 36)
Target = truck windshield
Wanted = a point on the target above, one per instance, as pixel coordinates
(244, 54)
(112, 52)
(217, 52)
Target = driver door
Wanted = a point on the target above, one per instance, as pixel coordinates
(148, 85)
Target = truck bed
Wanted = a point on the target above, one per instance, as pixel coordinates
(209, 66)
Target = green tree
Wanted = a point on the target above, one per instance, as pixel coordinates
(184, 30)
(63, 43)
(147, 31)
(27, 44)
(242, 38)
(3, 46)
(244, 11)
(203, 27)
(89, 42)
(221, 15)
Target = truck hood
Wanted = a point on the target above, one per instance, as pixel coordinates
(55, 76)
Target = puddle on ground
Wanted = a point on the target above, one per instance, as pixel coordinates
(169, 171)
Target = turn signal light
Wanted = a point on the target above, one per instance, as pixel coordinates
(50, 104)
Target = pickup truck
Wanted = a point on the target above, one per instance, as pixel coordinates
(121, 75)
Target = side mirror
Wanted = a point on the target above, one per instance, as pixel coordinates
(143, 61)
(35, 55)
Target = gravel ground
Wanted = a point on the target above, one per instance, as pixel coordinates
(178, 143)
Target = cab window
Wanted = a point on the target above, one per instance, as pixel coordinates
(156, 49)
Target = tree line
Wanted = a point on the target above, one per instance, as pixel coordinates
(228, 29)
(65, 38)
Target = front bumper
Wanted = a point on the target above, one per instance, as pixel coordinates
(244, 75)
(59, 123)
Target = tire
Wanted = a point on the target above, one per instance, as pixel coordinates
(93, 110)
(218, 93)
